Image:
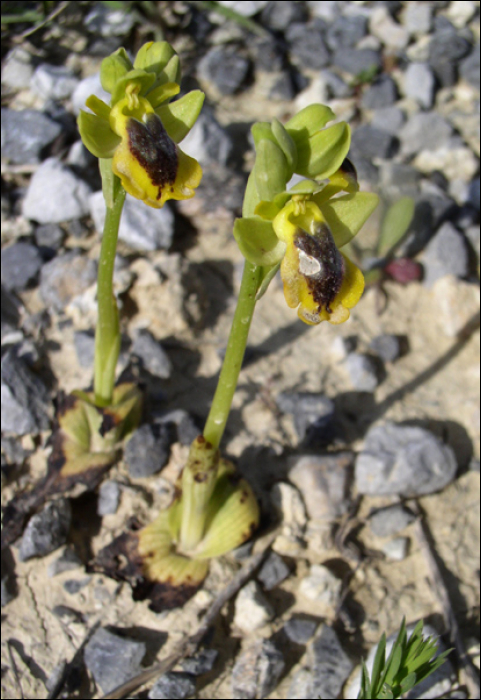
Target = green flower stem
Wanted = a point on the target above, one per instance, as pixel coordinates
(226, 386)
(107, 335)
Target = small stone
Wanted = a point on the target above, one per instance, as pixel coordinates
(474, 466)
(346, 31)
(17, 70)
(106, 22)
(85, 88)
(142, 228)
(321, 587)
(446, 50)
(46, 531)
(257, 671)
(391, 520)
(419, 84)
(21, 263)
(49, 236)
(328, 10)
(300, 631)
(13, 456)
(323, 481)
(474, 195)
(147, 451)
(247, 8)
(25, 400)
(329, 663)
(387, 30)
(252, 609)
(461, 13)
(200, 664)
(372, 143)
(74, 586)
(363, 372)
(173, 686)
(455, 160)
(208, 141)
(109, 496)
(397, 549)
(53, 82)
(381, 93)
(446, 254)
(10, 313)
(223, 68)
(268, 55)
(302, 685)
(388, 119)
(470, 67)
(387, 347)
(66, 277)
(306, 42)
(278, 16)
(55, 194)
(458, 304)
(185, 426)
(273, 572)
(399, 179)
(283, 88)
(418, 18)
(313, 416)
(335, 85)
(27, 134)
(424, 131)
(84, 342)
(68, 560)
(403, 461)
(152, 355)
(112, 659)
(342, 347)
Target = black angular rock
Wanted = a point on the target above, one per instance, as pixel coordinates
(112, 659)
(382, 93)
(313, 415)
(372, 143)
(147, 451)
(25, 399)
(391, 520)
(173, 686)
(331, 665)
(224, 68)
(300, 631)
(356, 61)
(27, 134)
(280, 15)
(47, 530)
(273, 572)
(200, 664)
(21, 263)
(346, 31)
(154, 358)
(10, 312)
(257, 671)
(446, 50)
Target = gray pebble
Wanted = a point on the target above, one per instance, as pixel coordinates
(306, 42)
(66, 277)
(302, 686)
(224, 68)
(474, 466)
(399, 179)
(273, 571)
(49, 236)
(47, 530)
(356, 61)
(372, 143)
(329, 663)
(247, 8)
(387, 347)
(300, 631)
(107, 22)
(109, 496)
(257, 671)
(388, 119)
(424, 131)
(446, 50)
(470, 67)
(474, 194)
(10, 313)
(404, 461)
(346, 31)
(154, 358)
(27, 134)
(313, 415)
(381, 93)
(363, 372)
(208, 141)
(85, 88)
(252, 608)
(418, 18)
(397, 549)
(446, 254)
(13, 456)
(323, 481)
(25, 400)
(391, 520)
(55, 194)
(142, 228)
(268, 55)
(200, 664)
(419, 84)
(280, 15)
(173, 686)
(337, 87)
(112, 659)
(283, 88)
(17, 70)
(147, 451)
(186, 428)
(67, 561)
(84, 342)
(53, 82)
(326, 9)
(21, 263)
(74, 586)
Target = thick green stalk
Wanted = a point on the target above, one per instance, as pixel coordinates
(107, 335)
(226, 386)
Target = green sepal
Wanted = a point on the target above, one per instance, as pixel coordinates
(347, 214)
(307, 187)
(395, 224)
(180, 116)
(113, 68)
(268, 210)
(98, 106)
(286, 143)
(172, 71)
(138, 77)
(257, 241)
(271, 170)
(268, 274)
(96, 135)
(162, 93)
(153, 56)
(261, 131)
(308, 122)
(324, 153)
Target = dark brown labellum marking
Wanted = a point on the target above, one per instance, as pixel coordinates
(321, 265)
(150, 144)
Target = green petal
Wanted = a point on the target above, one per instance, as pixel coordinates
(347, 214)
(257, 241)
(162, 93)
(96, 134)
(305, 187)
(309, 121)
(260, 131)
(154, 56)
(140, 77)
(286, 143)
(172, 72)
(180, 116)
(324, 152)
(113, 68)
(271, 170)
(98, 106)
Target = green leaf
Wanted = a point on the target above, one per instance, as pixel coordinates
(323, 153)
(271, 170)
(408, 683)
(96, 134)
(180, 116)
(366, 690)
(346, 215)
(268, 274)
(286, 143)
(379, 661)
(257, 241)
(309, 121)
(395, 224)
